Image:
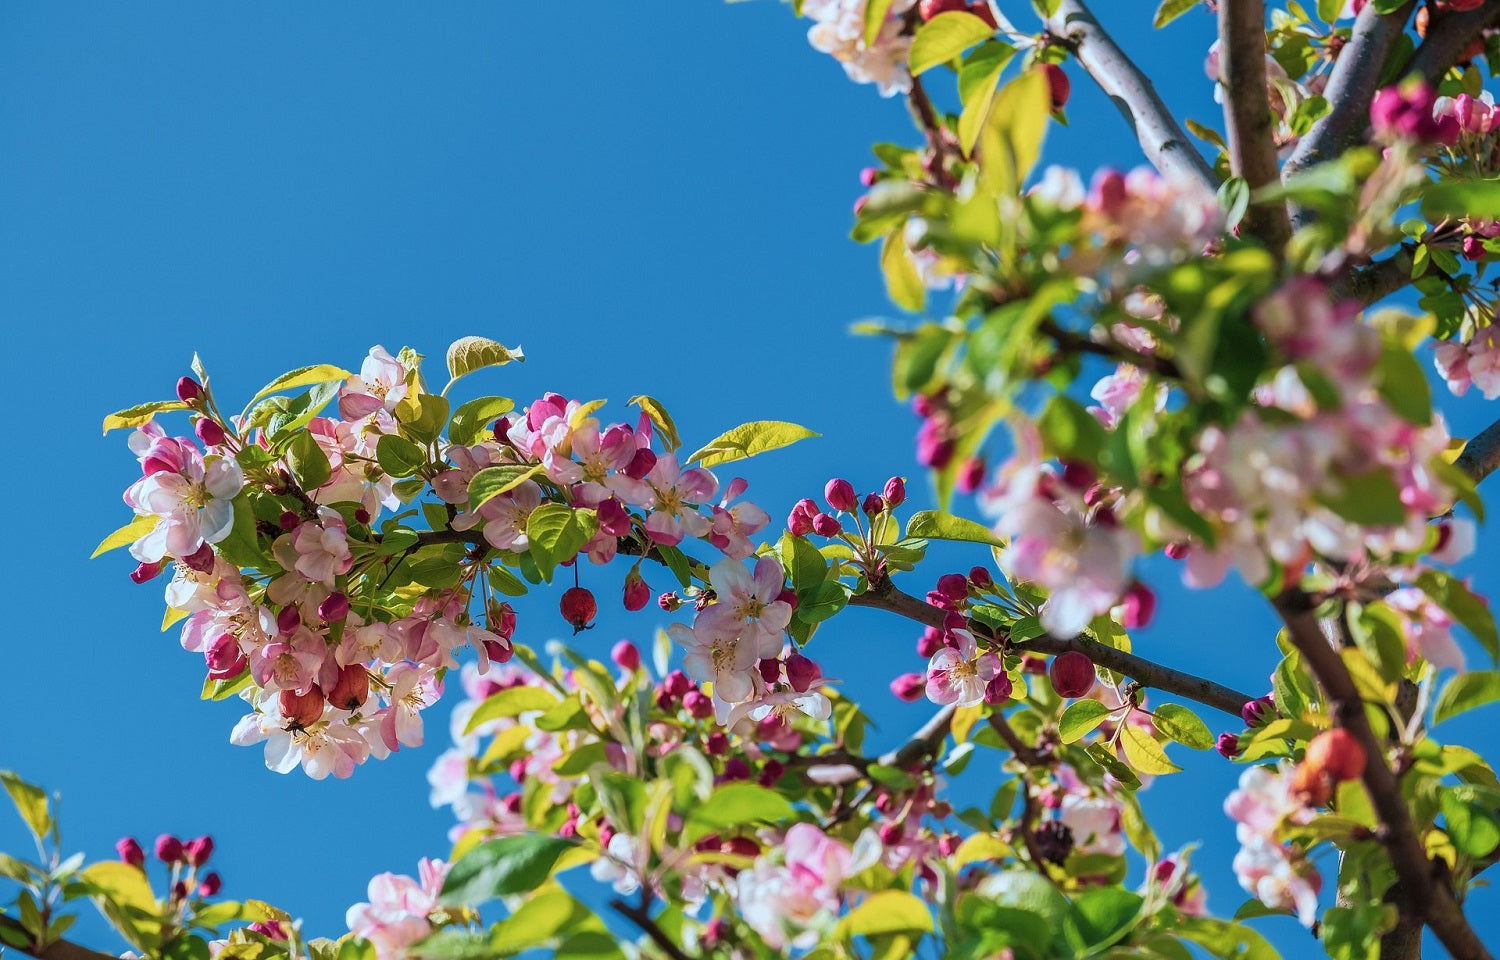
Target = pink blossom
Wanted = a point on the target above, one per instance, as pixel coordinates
(380, 385)
(289, 663)
(505, 517)
(322, 549)
(959, 674)
(396, 915)
(749, 604)
(1428, 626)
(675, 494)
(839, 30)
(717, 656)
(193, 501)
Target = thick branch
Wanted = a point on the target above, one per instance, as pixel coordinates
(1163, 140)
(57, 950)
(1422, 880)
(1376, 281)
(1448, 38)
(1351, 87)
(842, 767)
(641, 918)
(1481, 456)
(1247, 113)
(886, 596)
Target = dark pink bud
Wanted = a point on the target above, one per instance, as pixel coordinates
(302, 709)
(223, 654)
(361, 515)
(198, 850)
(840, 495)
(613, 517)
(860, 204)
(211, 885)
(512, 802)
(1473, 248)
(664, 700)
(980, 577)
(1139, 606)
(801, 672)
(737, 768)
(953, 620)
(189, 391)
(716, 744)
(1072, 674)
(517, 771)
(669, 602)
(637, 591)
(1033, 664)
(770, 670)
(1228, 745)
(954, 586)
(998, 690)
(909, 686)
(1079, 476)
(677, 684)
(626, 655)
(873, 505)
(948, 844)
(925, 406)
(147, 571)
(130, 851)
(713, 932)
(930, 642)
(288, 520)
(270, 929)
(179, 890)
(894, 493)
(1176, 551)
(1108, 194)
(826, 526)
(891, 833)
(869, 176)
(168, 847)
(770, 772)
(502, 620)
(201, 560)
(289, 619)
(641, 464)
(209, 432)
(799, 524)
(1258, 712)
(934, 446)
(698, 705)
(606, 833)
(499, 651)
(351, 689)
(970, 475)
(334, 607)
(1163, 871)
(788, 596)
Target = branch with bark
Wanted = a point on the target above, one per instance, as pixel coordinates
(1448, 38)
(1247, 114)
(1161, 137)
(56, 950)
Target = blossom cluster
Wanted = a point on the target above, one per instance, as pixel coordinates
(839, 30)
(1273, 872)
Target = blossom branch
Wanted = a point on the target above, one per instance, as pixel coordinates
(56, 950)
(1448, 38)
(1424, 881)
(1351, 88)
(843, 767)
(1160, 136)
(1247, 113)
(884, 595)
(641, 918)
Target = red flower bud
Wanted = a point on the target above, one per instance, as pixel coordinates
(351, 689)
(361, 515)
(1336, 753)
(198, 850)
(626, 655)
(1139, 605)
(334, 607)
(189, 391)
(502, 620)
(873, 505)
(801, 672)
(737, 768)
(826, 526)
(1258, 712)
(840, 495)
(909, 687)
(771, 771)
(716, 744)
(637, 591)
(980, 578)
(1072, 674)
(211, 885)
(1058, 85)
(998, 690)
(891, 833)
(578, 608)
(289, 619)
(641, 464)
(770, 670)
(928, 9)
(954, 586)
(1228, 745)
(302, 709)
(894, 493)
(168, 847)
(677, 684)
(613, 518)
(930, 642)
(970, 475)
(982, 10)
(130, 851)
(288, 520)
(209, 432)
(698, 704)
(788, 596)
(147, 571)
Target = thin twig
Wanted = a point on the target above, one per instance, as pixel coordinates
(56, 950)
(1027, 755)
(642, 919)
(1424, 881)
(1160, 136)
(1247, 113)
(884, 595)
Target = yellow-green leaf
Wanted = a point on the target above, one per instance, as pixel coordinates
(509, 703)
(875, 14)
(887, 911)
(127, 534)
(981, 846)
(302, 377)
(1011, 139)
(1178, 723)
(936, 525)
(903, 281)
(977, 81)
(749, 439)
(121, 884)
(493, 481)
(468, 354)
(665, 428)
(141, 413)
(1144, 753)
(30, 801)
(1080, 719)
(944, 37)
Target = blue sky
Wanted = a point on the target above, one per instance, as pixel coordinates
(651, 197)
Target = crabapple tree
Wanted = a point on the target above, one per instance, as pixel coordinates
(1196, 357)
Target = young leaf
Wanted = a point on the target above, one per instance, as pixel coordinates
(1144, 753)
(502, 867)
(1465, 692)
(903, 281)
(1170, 10)
(736, 805)
(935, 525)
(470, 420)
(660, 419)
(301, 377)
(468, 354)
(1181, 724)
(509, 703)
(141, 413)
(30, 801)
(493, 481)
(887, 911)
(1466, 607)
(749, 439)
(127, 534)
(944, 37)
(1080, 719)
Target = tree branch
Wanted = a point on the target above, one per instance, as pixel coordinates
(1481, 455)
(884, 595)
(1160, 136)
(56, 950)
(1351, 87)
(1422, 879)
(841, 767)
(642, 919)
(1448, 38)
(1375, 281)
(1247, 113)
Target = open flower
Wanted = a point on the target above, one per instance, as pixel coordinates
(959, 675)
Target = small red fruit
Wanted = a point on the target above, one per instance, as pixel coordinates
(351, 689)
(1337, 753)
(1058, 85)
(302, 709)
(578, 608)
(928, 9)
(1072, 674)
(981, 9)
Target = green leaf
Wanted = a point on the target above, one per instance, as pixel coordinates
(510, 703)
(936, 525)
(1465, 692)
(666, 429)
(468, 354)
(1070, 431)
(1473, 827)
(978, 79)
(737, 805)
(499, 868)
(1101, 917)
(1080, 719)
(1226, 940)
(398, 456)
(141, 413)
(121, 884)
(473, 418)
(31, 803)
(308, 463)
(1170, 10)
(1370, 499)
(539, 920)
(1101, 754)
(749, 439)
(875, 14)
(1403, 383)
(1144, 753)
(1182, 725)
(555, 532)
(903, 281)
(302, 377)
(493, 481)
(887, 911)
(127, 534)
(1475, 199)
(1011, 139)
(944, 37)
(1468, 608)
(1329, 10)
(1234, 199)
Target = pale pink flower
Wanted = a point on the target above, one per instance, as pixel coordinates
(379, 385)
(959, 675)
(621, 864)
(1428, 631)
(193, 502)
(505, 517)
(396, 915)
(749, 604)
(676, 494)
(1095, 822)
(721, 658)
(322, 548)
(1269, 872)
(839, 30)
(289, 662)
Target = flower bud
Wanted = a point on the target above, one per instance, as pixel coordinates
(826, 526)
(980, 578)
(801, 672)
(677, 684)
(578, 608)
(302, 709)
(201, 560)
(179, 890)
(771, 771)
(713, 932)
(1109, 192)
(361, 515)
(1473, 248)
(189, 391)
(613, 517)
(770, 670)
(499, 651)
(351, 689)
(799, 524)
(209, 432)
(1079, 476)
(1072, 674)
(1033, 664)
(788, 596)
(502, 620)
(930, 642)
(934, 447)
(1258, 712)
(1176, 551)
(737, 768)
(168, 847)
(910, 687)
(334, 607)
(928, 9)
(198, 850)
(1228, 745)
(998, 690)
(840, 495)
(642, 463)
(981, 9)
(869, 176)
(717, 743)
(1337, 753)
(130, 851)
(1139, 606)
(147, 571)
(970, 475)
(288, 520)
(891, 833)
(626, 655)
(894, 493)
(873, 505)
(1058, 85)
(1054, 840)
(637, 591)
(223, 655)
(954, 586)
(289, 619)
(211, 885)
(698, 705)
